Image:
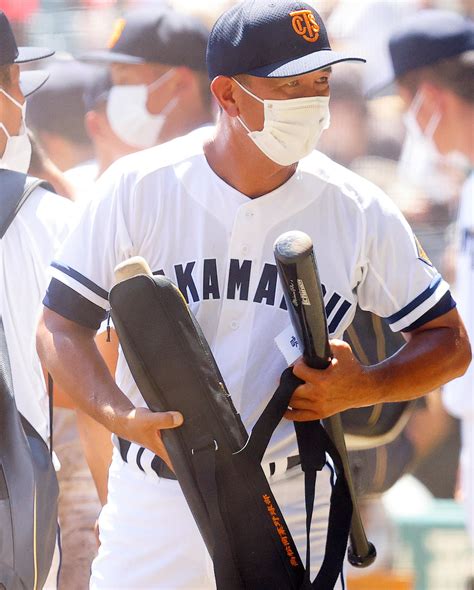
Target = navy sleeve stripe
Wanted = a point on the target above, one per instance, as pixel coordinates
(73, 306)
(445, 304)
(74, 274)
(427, 293)
(336, 320)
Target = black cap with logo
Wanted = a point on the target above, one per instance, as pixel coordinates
(270, 39)
(10, 54)
(161, 36)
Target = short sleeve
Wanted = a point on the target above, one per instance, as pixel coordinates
(82, 272)
(399, 281)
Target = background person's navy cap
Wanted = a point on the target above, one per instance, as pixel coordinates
(58, 107)
(10, 54)
(161, 36)
(270, 40)
(427, 37)
(97, 90)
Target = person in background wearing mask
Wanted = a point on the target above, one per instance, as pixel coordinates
(155, 89)
(159, 85)
(32, 239)
(56, 116)
(205, 210)
(433, 60)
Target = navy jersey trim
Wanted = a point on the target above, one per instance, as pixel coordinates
(427, 293)
(77, 276)
(71, 305)
(445, 304)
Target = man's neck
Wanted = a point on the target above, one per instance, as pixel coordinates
(178, 124)
(238, 161)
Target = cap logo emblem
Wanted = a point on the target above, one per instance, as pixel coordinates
(305, 25)
(119, 26)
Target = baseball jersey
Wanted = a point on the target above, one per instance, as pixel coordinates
(26, 251)
(167, 205)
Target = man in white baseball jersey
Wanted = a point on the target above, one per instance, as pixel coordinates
(35, 234)
(205, 210)
(31, 240)
(433, 60)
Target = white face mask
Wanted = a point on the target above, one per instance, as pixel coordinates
(419, 153)
(420, 161)
(17, 153)
(129, 117)
(292, 127)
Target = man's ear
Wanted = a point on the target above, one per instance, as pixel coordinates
(222, 87)
(97, 125)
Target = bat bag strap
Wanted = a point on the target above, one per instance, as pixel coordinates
(313, 444)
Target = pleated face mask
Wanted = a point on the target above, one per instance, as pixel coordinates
(129, 117)
(17, 153)
(292, 127)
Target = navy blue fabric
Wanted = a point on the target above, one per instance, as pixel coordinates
(80, 278)
(73, 306)
(416, 302)
(445, 304)
(428, 37)
(161, 36)
(9, 51)
(261, 38)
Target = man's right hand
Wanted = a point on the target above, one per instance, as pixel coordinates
(143, 427)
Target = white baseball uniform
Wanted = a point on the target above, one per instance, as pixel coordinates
(167, 205)
(26, 252)
(459, 394)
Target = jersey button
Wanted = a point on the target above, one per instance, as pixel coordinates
(245, 249)
(234, 325)
(249, 214)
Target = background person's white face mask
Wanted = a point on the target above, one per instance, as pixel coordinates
(129, 117)
(292, 127)
(17, 153)
(419, 159)
(419, 153)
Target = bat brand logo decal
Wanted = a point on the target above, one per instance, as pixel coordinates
(302, 290)
(117, 32)
(292, 289)
(304, 24)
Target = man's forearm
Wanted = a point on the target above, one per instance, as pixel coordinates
(429, 360)
(77, 366)
(434, 354)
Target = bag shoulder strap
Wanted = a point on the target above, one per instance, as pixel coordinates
(16, 188)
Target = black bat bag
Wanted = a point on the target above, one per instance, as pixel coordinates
(216, 463)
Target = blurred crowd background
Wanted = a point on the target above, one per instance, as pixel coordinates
(367, 134)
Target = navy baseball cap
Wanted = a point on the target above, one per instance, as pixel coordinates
(97, 90)
(270, 39)
(427, 37)
(59, 106)
(11, 54)
(162, 36)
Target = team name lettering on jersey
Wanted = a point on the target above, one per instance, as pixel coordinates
(238, 286)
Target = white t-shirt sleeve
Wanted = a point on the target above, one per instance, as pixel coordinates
(83, 269)
(399, 281)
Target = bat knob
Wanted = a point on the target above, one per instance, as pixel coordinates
(362, 560)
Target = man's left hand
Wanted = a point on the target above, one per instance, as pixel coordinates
(344, 384)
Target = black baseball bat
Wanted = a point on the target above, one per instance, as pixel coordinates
(299, 277)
